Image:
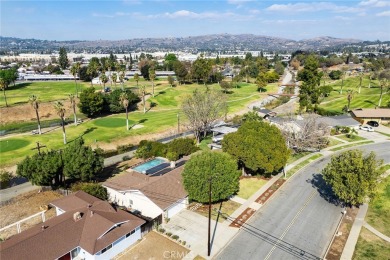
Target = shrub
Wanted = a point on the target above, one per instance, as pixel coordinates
(175, 237)
(5, 178)
(184, 243)
(161, 230)
(148, 149)
(182, 146)
(94, 189)
(169, 234)
(126, 158)
(335, 74)
(124, 148)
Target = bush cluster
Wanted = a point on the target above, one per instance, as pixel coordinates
(94, 189)
(174, 150)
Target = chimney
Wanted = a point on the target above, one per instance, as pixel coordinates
(43, 227)
(76, 216)
(92, 213)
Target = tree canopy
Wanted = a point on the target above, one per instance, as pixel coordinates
(353, 176)
(309, 93)
(63, 59)
(258, 147)
(217, 167)
(75, 162)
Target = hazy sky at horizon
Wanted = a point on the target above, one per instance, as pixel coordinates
(127, 19)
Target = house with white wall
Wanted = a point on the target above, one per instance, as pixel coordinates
(85, 228)
(151, 196)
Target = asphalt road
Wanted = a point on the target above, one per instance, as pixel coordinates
(299, 220)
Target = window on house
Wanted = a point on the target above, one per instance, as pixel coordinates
(75, 252)
(130, 202)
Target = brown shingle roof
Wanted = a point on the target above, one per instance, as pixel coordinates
(74, 201)
(62, 233)
(372, 113)
(163, 190)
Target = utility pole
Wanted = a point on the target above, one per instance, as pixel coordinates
(39, 147)
(208, 240)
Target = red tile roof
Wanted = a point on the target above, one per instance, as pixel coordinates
(164, 190)
(62, 233)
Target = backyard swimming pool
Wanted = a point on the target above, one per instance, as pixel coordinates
(151, 166)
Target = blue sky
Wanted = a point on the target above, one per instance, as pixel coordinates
(127, 19)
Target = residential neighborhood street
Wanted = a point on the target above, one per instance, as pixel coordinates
(299, 220)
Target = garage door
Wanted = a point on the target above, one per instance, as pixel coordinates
(176, 208)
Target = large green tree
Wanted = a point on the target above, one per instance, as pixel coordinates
(201, 69)
(63, 59)
(309, 94)
(81, 162)
(215, 167)
(258, 147)
(91, 102)
(6, 78)
(353, 176)
(42, 169)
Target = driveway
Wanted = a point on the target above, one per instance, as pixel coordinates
(193, 228)
(373, 136)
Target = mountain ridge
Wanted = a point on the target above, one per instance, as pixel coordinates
(211, 42)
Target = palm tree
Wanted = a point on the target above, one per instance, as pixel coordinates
(4, 86)
(33, 100)
(136, 78)
(103, 79)
(124, 100)
(360, 81)
(370, 77)
(72, 100)
(59, 107)
(143, 93)
(384, 86)
(350, 96)
(75, 71)
(152, 76)
(122, 77)
(114, 77)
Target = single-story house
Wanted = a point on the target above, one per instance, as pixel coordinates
(152, 196)
(86, 228)
(380, 115)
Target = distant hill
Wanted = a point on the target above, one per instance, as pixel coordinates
(214, 42)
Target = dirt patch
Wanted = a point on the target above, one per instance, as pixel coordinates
(25, 113)
(24, 206)
(271, 190)
(154, 246)
(336, 249)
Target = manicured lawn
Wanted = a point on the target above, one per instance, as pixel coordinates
(160, 118)
(12, 144)
(353, 138)
(45, 90)
(248, 186)
(203, 144)
(350, 145)
(302, 164)
(296, 156)
(333, 142)
(367, 98)
(112, 122)
(378, 214)
(227, 207)
(369, 246)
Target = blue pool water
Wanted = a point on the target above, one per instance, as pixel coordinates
(149, 165)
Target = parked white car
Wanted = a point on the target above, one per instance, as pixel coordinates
(366, 128)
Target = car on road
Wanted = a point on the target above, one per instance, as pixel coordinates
(366, 128)
(373, 123)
